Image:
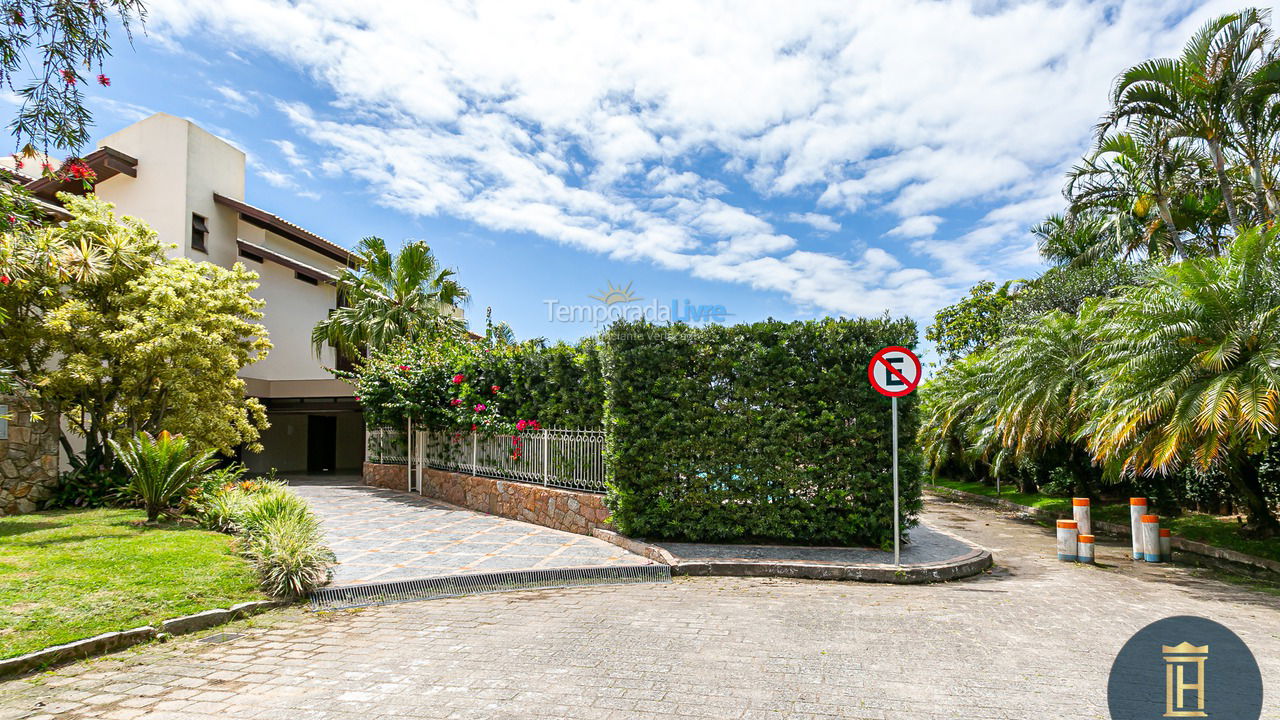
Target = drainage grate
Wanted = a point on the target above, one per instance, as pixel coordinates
(352, 596)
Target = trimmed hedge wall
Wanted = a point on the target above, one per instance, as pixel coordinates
(768, 431)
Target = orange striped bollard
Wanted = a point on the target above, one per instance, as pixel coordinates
(1137, 508)
(1084, 548)
(1150, 533)
(1067, 540)
(1166, 545)
(1080, 513)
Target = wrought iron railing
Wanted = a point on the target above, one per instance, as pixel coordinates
(560, 458)
(386, 445)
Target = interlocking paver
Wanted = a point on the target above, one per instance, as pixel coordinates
(382, 535)
(1034, 638)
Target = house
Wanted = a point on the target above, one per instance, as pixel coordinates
(188, 185)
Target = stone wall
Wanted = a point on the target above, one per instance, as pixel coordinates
(28, 458)
(569, 510)
(391, 477)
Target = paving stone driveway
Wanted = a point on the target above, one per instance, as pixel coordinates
(382, 535)
(1032, 639)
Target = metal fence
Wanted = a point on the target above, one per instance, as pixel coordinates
(387, 446)
(560, 458)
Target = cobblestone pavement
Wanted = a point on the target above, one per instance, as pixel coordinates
(1032, 639)
(382, 535)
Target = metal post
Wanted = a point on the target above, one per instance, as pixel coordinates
(408, 453)
(897, 534)
(546, 458)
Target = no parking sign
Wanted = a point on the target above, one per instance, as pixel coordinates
(895, 371)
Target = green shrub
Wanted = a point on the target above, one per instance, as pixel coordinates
(222, 510)
(89, 485)
(290, 555)
(768, 431)
(272, 502)
(161, 469)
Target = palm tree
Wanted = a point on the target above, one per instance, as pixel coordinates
(387, 297)
(1194, 93)
(1256, 115)
(1076, 238)
(1191, 362)
(1137, 175)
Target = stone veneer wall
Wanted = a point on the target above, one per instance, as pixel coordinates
(28, 459)
(569, 510)
(391, 477)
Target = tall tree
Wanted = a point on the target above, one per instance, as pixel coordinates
(386, 297)
(1190, 370)
(1194, 93)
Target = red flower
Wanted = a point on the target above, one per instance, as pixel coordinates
(521, 425)
(4, 279)
(403, 368)
(18, 19)
(80, 171)
(103, 80)
(69, 76)
(357, 398)
(457, 379)
(455, 402)
(13, 220)
(473, 427)
(17, 162)
(480, 407)
(494, 389)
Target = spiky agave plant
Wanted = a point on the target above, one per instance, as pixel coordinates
(161, 468)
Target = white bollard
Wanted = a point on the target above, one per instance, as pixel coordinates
(1166, 545)
(1137, 508)
(1150, 532)
(1084, 548)
(1067, 546)
(1080, 513)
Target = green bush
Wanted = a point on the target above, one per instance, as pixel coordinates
(290, 556)
(768, 431)
(161, 469)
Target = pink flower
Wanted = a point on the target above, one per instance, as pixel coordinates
(455, 402)
(494, 389)
(521, 425)
(457, 379)
(480, 407)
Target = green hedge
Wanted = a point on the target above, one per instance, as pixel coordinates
(768, 431)
(559, 386)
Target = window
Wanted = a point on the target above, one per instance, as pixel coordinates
(306, 278)
(250, 255)
(199, 233)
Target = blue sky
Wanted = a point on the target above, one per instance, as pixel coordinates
(779, 159)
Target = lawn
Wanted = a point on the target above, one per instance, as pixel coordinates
(1210, 529)
(67, 575)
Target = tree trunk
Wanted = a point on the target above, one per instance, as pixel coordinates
(1166, 216)
(1262, 521)
(1266, 195)
(1219, 167)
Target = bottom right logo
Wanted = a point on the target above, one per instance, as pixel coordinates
(1185, 667)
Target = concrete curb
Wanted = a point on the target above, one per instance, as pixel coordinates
(1117, 530)
(113, 641)
(963, 566)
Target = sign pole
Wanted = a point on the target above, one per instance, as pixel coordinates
(897, 533)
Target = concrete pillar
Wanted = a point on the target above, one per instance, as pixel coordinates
(1137, 508)
(1067, 544)
(1080, 513)
(1084, 548)
(1150, 535)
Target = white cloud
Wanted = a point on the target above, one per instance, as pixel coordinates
(917, 226)
(618, 128)
(817, 221)
(233, 99)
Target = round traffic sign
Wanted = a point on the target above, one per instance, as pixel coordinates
(894, 371)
